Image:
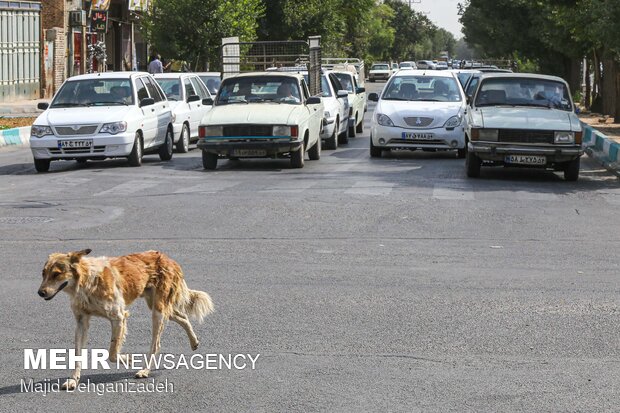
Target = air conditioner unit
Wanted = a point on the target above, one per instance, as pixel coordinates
(77, 18)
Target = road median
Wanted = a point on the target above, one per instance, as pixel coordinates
(15, 137)
(602, 143)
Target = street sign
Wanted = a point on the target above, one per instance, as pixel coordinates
(99, 21)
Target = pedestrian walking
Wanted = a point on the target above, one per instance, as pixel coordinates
(156, 66)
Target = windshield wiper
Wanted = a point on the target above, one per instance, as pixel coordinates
(67, 105)
(107, 104)
(428, 100)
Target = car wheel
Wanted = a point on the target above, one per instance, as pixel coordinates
(472, 164)
(42, 165)
(375, 152)
(209, 160)
(352, 128)
(297, 157)
(571, 170)
(332, 141)
(343, 138)
(360, 126)
(183, 143)
(314, 153)
(135, 157)
(165, 150)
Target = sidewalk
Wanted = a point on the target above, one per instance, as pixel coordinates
(601, 140)
(21, 108)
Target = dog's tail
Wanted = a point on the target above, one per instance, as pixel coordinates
(196, 304)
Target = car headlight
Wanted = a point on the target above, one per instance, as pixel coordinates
(564, 137)
(384, 120)
(281, 131)
(214, 131)
(40, 131)
(488, 134)
(453, 122)
(113, 128)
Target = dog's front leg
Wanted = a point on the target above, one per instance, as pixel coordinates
(158, 327)
(81, 332)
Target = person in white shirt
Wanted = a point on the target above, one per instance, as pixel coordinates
(156, 66)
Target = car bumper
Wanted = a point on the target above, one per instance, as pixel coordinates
(328, 128)
(379, 76)
(391, 137)
(226, 147)
(496, 152)
(103, 146)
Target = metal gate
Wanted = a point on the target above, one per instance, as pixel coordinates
(20, 60)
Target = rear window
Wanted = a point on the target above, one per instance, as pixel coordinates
(380, 67)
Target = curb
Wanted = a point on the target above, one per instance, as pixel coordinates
(602, 149)
(15, 137)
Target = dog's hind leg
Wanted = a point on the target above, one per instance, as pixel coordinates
(183, 321)
(158, 328)
(81, 333)
(119, 329)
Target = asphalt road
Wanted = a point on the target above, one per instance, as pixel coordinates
(393, 284)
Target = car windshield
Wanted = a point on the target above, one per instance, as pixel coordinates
(523, 92)
(464, 77)
(94, 92)
(345, 81)
(405, 65)
(213, 82)
(325, 90)
(171, 87)
(380, 67)
(259, 89)
(423, 88)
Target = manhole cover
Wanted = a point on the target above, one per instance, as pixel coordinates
(25, 220)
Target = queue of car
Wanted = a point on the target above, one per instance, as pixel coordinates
(489, 117)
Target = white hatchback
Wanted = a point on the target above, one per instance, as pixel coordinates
(419, 109)
(103, 115)
(190, 101)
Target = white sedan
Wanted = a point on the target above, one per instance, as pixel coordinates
(103, 115)
(419, 110)
(190, 101)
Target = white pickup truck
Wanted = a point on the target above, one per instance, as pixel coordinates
(262, 114)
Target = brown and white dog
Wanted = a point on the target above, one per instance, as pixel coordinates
(105, 286)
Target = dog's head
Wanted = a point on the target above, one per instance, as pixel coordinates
(60, 271)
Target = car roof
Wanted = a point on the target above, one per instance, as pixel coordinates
(295, 75)
(173, 75)
(424, 72)
(207, 73)
(522, 76)
(107, 75)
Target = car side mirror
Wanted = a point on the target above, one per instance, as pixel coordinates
(193, 98)
(373, 97)
(469, 99)
(147, 102)
(342, 94)
(207, 101)
(313, 100)
(360, 90)
(43, 105)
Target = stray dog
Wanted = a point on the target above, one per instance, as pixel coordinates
(104, 286)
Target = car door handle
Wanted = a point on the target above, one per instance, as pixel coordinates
(152, 110)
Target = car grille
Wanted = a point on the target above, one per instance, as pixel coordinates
(77, 130)
(418, 121)
(525, 136)
(248, 130)
(68, 151)
(416, 141)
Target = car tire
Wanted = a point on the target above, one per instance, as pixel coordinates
(360, 126)
(352, 128)
(42, 165)
(298, 157)
(472, 164)
(209, 160)
(314, 153)
(183, 143)
(375, 152)
(343, 138)
(135, 157)
(461, 153)
(571, 170)
(332, 141)
(165, 150)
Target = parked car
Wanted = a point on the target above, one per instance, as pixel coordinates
(441, 65)
(258, 115)
(186, 94)
(379, 71)
(523, 120)
(419, 110)
(407, 65)
(426, 64)
(335, 99)
(212, 80)
(394, 67)
(357, 101)
(463, 75)
(103, 115)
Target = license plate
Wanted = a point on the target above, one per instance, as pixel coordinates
(249, 152)
(86, 143)
(526, 159)
(418, 136)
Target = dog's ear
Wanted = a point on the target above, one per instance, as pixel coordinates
(77, 255)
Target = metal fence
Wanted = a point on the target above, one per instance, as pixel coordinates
(20, 60)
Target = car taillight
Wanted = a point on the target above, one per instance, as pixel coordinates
(202, 131)
(294, 131)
